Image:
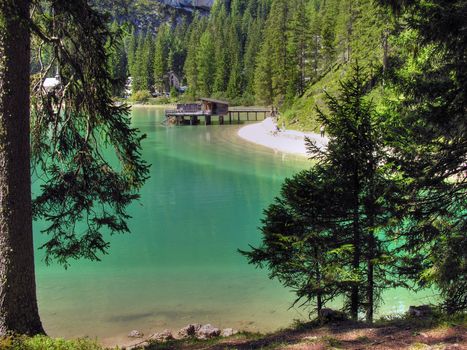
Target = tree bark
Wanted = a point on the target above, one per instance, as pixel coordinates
(18, 304)
(355, 293)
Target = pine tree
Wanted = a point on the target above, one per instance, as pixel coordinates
(298, 38)
(191, 62)
(271, 73)
(251, 54)
(427, 129)
(139, 80)
(118, 63)
(263, 75)
(340, 207)
(79, 184)
(315, 41)
(329, 14)
(235, 49)
(131, 50)
(161, 58)
(205, 64)
(220, 29)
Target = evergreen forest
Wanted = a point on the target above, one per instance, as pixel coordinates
(263, 52)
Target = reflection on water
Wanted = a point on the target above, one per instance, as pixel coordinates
(180, 264)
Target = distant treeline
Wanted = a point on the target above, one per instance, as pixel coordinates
(254, 51)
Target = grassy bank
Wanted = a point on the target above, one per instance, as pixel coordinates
(439, 332)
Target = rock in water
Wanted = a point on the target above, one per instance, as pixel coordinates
(228, 332)
(135, 334)
(163, 337)
(189, 331)
(208, 331)
(420, 311)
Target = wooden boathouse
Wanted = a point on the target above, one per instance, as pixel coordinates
(208, 109)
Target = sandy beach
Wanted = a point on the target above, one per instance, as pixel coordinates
(287, 141)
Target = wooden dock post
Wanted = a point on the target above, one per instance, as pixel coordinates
(212, 108)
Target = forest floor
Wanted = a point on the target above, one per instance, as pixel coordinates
(410, 334)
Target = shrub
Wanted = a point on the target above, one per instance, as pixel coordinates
(46, 343)
(140, 96)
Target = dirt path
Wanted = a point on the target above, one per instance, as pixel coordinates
(348, 335)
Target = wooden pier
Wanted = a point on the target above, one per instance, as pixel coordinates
(208, 109)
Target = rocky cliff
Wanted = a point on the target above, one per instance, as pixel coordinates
(189, 5)
(150, 13)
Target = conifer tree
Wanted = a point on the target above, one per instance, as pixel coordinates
(339, 206)
(118, 63)
(131, 49)
(220, 27)
(205, 64)
(298, 39)
(191, 62)
(271, 73)
(161, 58)
(139, 80)
(147, 61)
(263, 75)
(234, 86)
(251, 53)
(315, 40)
(427, 129)
(62, 135)
(329, 14)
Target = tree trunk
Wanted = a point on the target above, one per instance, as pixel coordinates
(354, 294)
(370, 277)
(385, 50)
(18, 305)
(371, 241)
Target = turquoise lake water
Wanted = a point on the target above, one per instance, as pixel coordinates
(180, 264)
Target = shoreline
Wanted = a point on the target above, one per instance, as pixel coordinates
(266, 134)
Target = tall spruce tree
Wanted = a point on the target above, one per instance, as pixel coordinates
(161, 57)
(205, 64)
(298, 39)
(271, 75)
(427, 130)
(191, 63)
(118, 63)
(329, 13)
(67, 128)
(340, 207)
(220, 29)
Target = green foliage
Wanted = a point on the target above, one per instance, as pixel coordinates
(427, 128)
(46, 343)
(71, 127)
(118, 62)
(141, 96)
(161, 57)
(205, 64)
(324, 236)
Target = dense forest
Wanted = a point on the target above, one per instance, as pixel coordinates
(264, 52)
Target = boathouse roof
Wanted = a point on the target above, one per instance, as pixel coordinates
(214, 101)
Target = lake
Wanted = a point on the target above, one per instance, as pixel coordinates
(180, 264)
